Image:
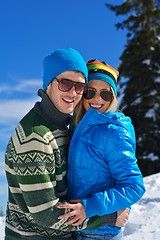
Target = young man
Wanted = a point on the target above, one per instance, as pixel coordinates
(36, 155)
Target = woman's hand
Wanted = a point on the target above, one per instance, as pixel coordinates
(76, 213)
(122, 216)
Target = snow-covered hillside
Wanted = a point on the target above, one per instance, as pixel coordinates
(144, 221)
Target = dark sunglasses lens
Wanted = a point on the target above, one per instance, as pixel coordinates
(106, 95)
(65, 85)
(80, 87)
(89, 93)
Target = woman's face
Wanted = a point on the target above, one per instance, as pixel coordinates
(97, 102)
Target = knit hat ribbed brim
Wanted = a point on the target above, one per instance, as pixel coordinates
(101, 71)
(62, 60)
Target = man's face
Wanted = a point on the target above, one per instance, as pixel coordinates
(65, 101)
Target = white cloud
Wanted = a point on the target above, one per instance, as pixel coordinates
(22, 85)
(13, 110)
(3, 189)
(28, 85)
(2, 165)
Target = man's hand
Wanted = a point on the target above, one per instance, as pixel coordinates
(76, 213)
(122, 216)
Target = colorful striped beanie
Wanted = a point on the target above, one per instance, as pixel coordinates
(101, 71)
(62, 60)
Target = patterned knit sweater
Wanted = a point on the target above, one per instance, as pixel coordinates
(36, 168)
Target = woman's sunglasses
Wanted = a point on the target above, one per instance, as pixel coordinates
(65, 85)
(104, 94)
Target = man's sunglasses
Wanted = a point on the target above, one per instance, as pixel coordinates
(65, 85)
(104, 94)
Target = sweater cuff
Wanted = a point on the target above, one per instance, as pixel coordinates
(92, 209)
(109, 219)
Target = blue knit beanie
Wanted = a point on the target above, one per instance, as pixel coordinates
(102, 71)
(61, 60)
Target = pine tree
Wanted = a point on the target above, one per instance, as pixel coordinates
(140, 77)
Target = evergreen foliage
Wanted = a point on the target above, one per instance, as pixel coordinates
(140, 77)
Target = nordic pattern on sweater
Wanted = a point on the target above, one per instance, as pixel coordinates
(36, 171)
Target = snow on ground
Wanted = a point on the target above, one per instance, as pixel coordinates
(2, 220)
(144, 220)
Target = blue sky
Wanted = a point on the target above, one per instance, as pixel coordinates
(30, 30)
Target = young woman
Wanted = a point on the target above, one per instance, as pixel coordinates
(103, 175)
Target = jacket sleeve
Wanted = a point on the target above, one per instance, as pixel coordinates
(128, 187)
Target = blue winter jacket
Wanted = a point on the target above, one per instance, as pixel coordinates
(102, 166)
